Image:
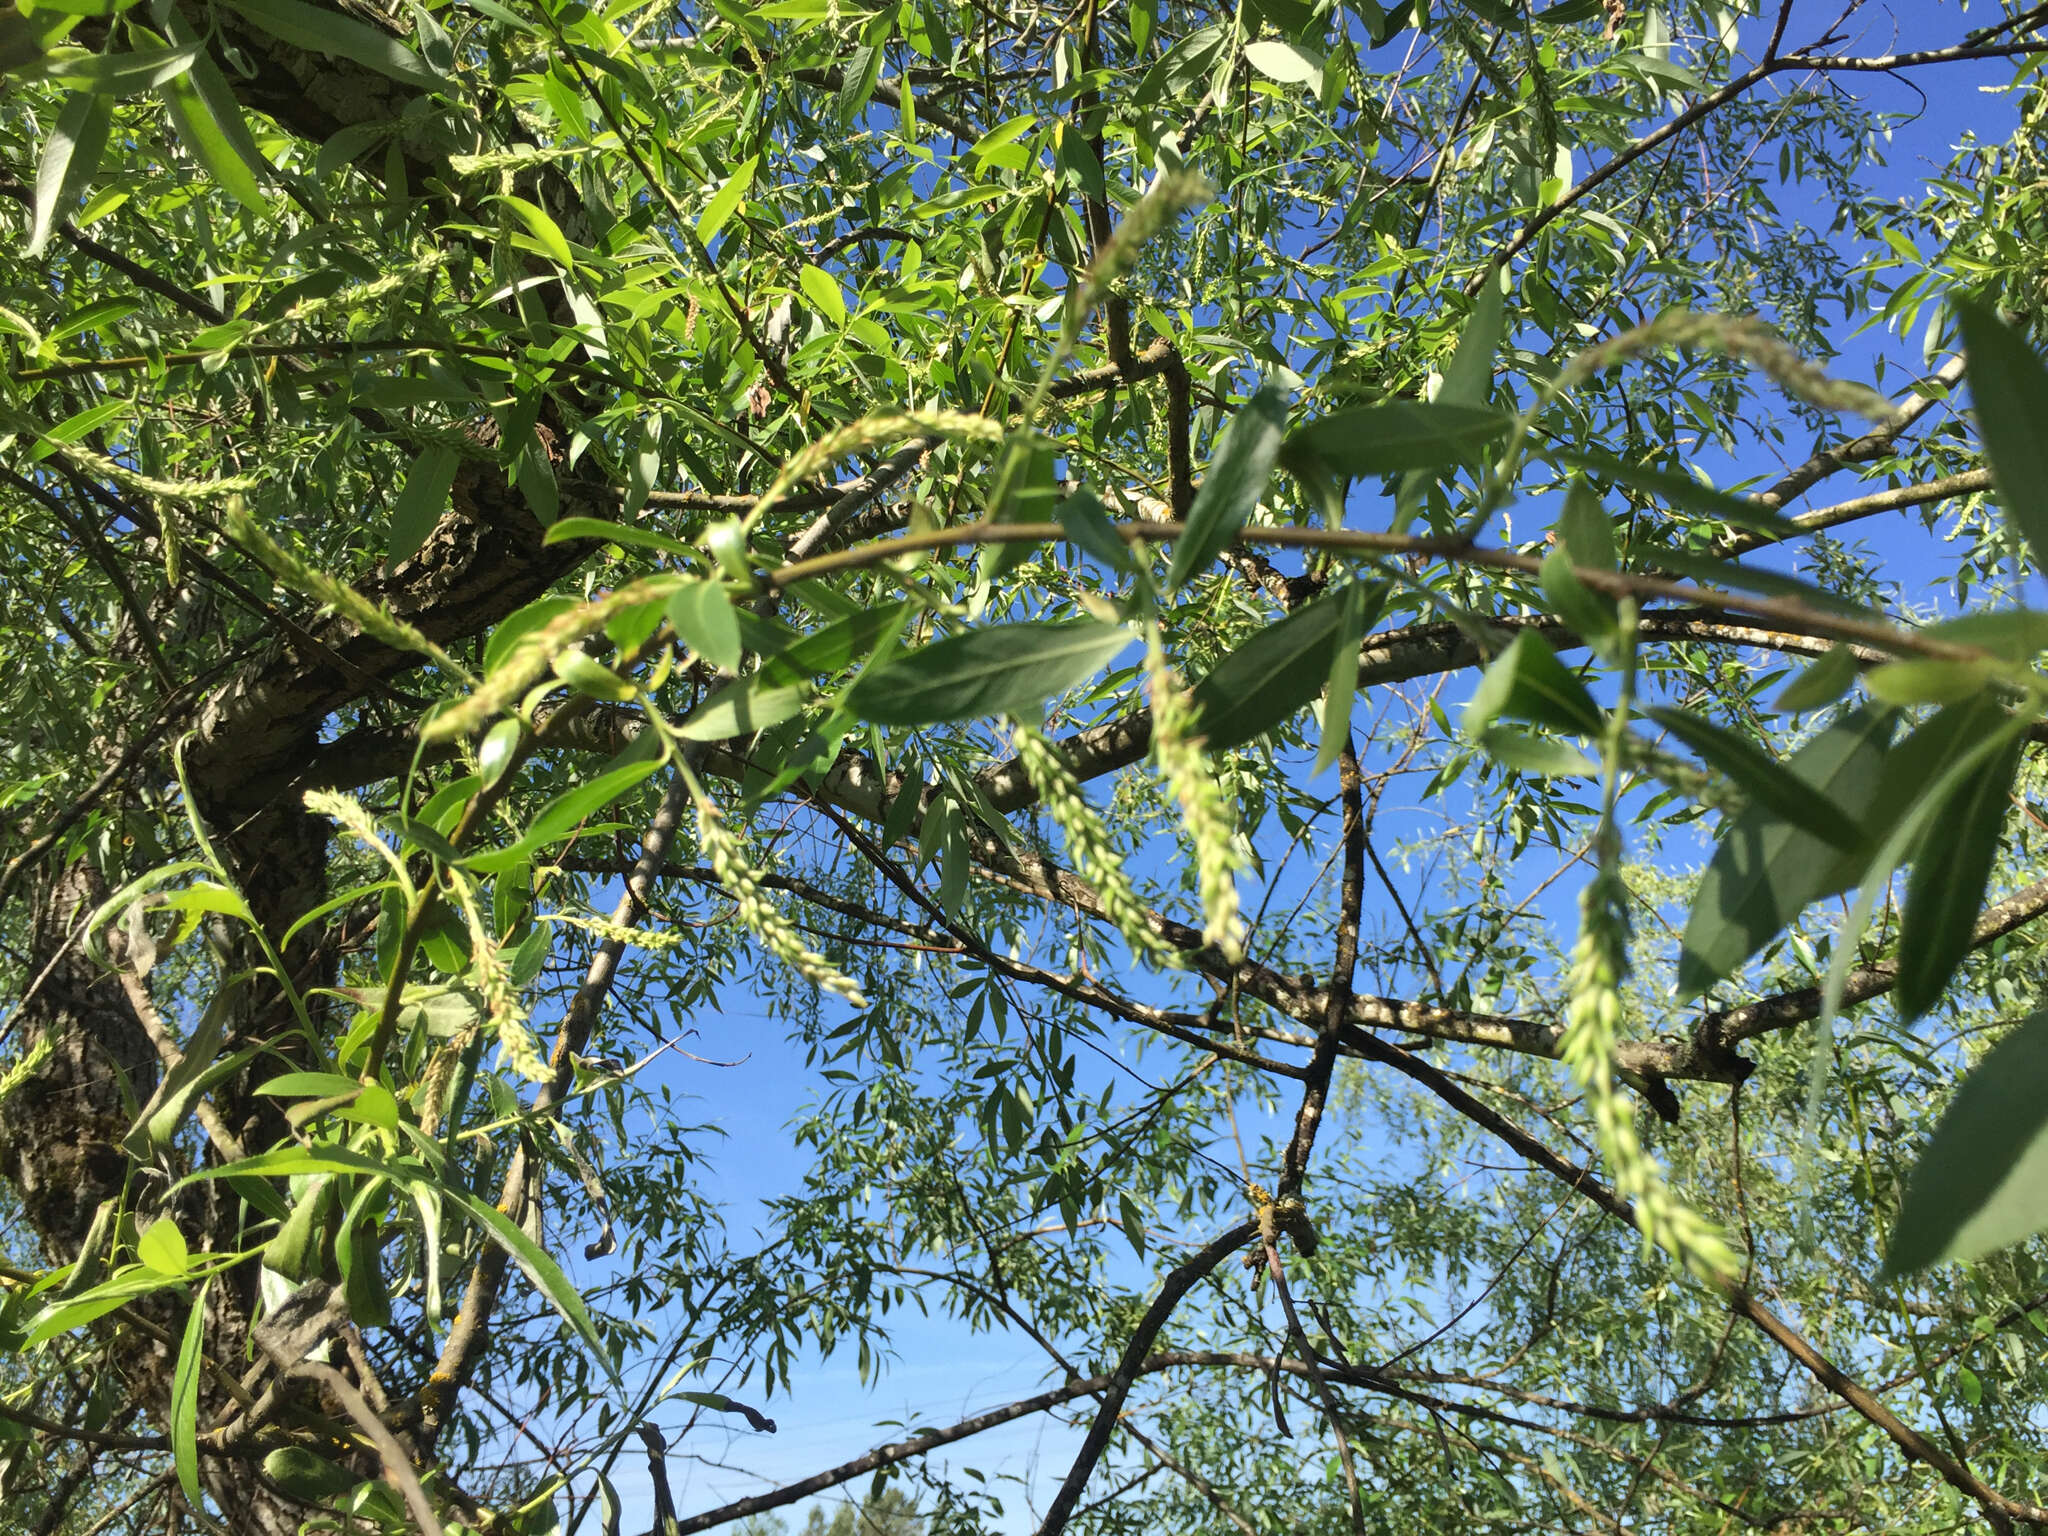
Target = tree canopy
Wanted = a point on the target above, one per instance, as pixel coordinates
(1447, 577)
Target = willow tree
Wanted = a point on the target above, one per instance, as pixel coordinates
(527, 522)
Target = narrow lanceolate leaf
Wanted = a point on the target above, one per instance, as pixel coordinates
(1469, 378)
(421, 502)
(1005, 669)
(1822, 683)
(1766, 781)
(1766, 870)
(1585, 530)
(1951, 868)
(2009, 387)
(70, 156)
(1527, 682)
(1363, 603)
(1983, 1181)
(211, 126)
(542, 1270)
(726, 200)
(1276, 672)
(1235, 482)
(185, 1400)
(1591, 614)
(542, 226)
(1392, 437)
(319, 30)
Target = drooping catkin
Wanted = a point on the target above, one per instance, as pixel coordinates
(1089, 845)
(775, 932)
(1739, 336)
(1594, 1019)
(1177, 751)
(344, 599)
(518, 1051)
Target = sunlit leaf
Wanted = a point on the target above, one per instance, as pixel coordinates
(1004, 669)
(1278, 671)
(1236, 479)
(1528, 682)
(71, 154)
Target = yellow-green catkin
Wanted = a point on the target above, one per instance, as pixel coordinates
(1739, 336)
(1089, 845)
(1177, 752)
(344, 599)
(1594, 1020)
(775, 932)
(518, 1051)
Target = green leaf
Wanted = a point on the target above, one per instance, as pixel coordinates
(70, 156)
(702, 617)
(121, 74)
(1590, 614)
(198, 1069)
(541, 1269)
(1004, 669)
(1926, 680)
(1766, 781)
(727, 199)
(542, 226)
(307, 1085)
(569, 810)
(1526, 752)
(520, 623)
(1982, 1183)
(163, 1248)
(72, 428)
(1468, 380)
(309, 1478)
(495, 755)
(2009, 388)
(1585, 530)
(1765, 870)
(1288, 63)
(568, 529)
(824, 292)
(1086, 522)
(1822, 683)
(1391, 437)
(1271, 676)
(319, 30)
(1363, 603)
(743, 707)
(212, 142)
(185, 1399)
(421, 502)
(1951, 868)
(1236, 479)
(587, 675)
(856, 84)
(1003, 133)
(1527, 682)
